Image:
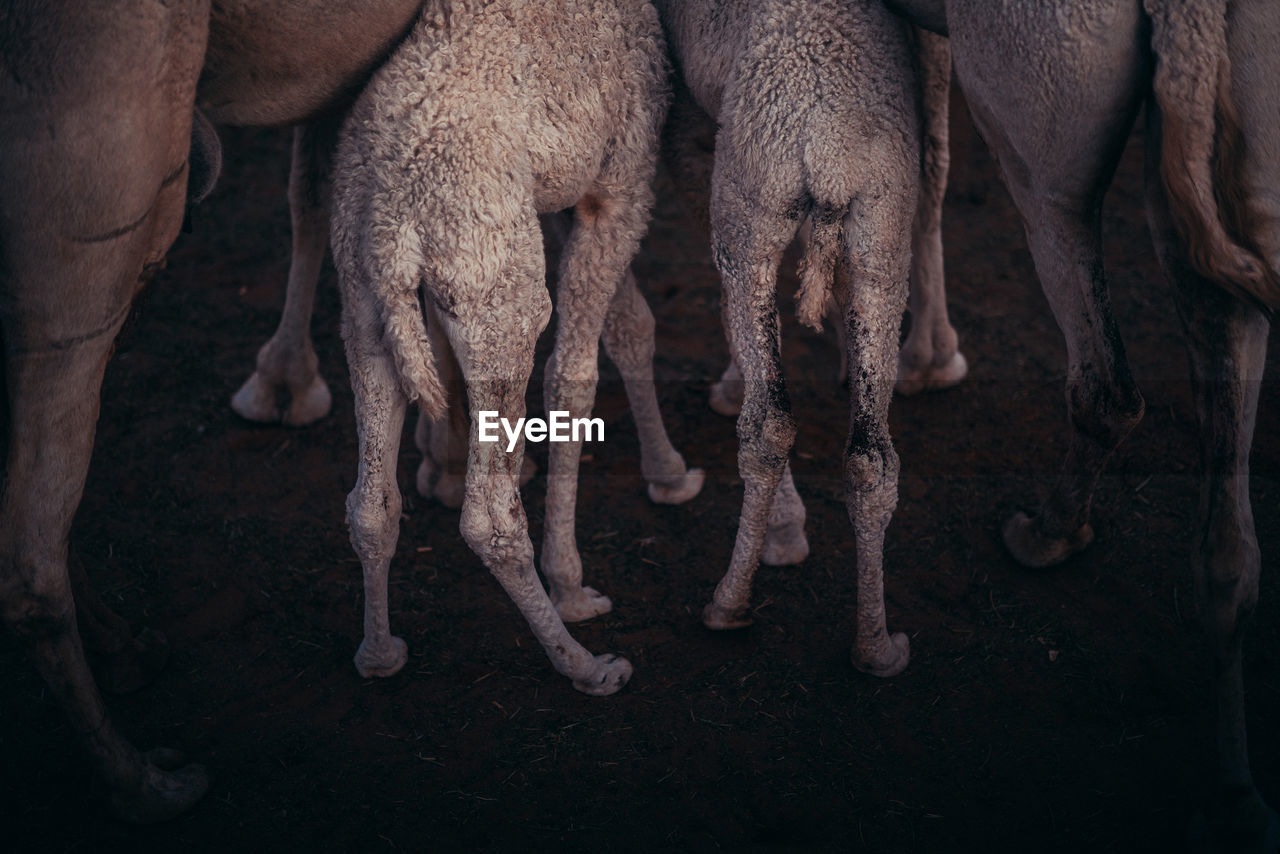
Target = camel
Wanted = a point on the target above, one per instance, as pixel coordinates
(1205, 71)
(487, 115)
(930, 358)
(106, 134)
(818, 114)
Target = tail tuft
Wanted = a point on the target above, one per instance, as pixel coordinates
(818, 265)
(406, 336)
(395, 272)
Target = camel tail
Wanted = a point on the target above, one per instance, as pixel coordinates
(818, 265)
(404, 323)
(1202, 148)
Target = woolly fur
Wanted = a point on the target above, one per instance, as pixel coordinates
(489, 113)
(818, 112)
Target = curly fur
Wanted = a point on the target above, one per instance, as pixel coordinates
(487, 115)
(462, 104)
(818, 113)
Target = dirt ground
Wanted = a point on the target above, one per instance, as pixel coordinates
(1063, 710)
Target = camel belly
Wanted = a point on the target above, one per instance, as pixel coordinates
(281, 63)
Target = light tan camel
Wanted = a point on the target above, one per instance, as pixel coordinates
(487, 115)
(819, 118)
(929, 359)
(286, 387)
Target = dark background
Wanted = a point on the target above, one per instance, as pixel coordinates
(229, 538)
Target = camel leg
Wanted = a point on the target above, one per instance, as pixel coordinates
(930, 359)
(442, 473)
(495, 352)
(121, 661)
(628, 340)
(878, 240)
(1227, 343)
(1057, 172)
(748, 238)
(596, 255)
(53, 398)
(80, 230)
(689, 146)
(286, 386)
(373, 506)
(784, 541)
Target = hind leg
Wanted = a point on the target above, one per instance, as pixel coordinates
(930, 358)
(750, 230)
(79, 233)
(599, 249)
(495, 352)
(373, 506)
(286, 386)
(1227, 343)
(442, 474)
(877, 239)
(122, 662)
(443, 471)
(1057, 172)
(628, 339)
(53, 407)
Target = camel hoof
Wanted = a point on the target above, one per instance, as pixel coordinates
(612, 672)
(887, 659)
(166, 791)
(930, 377)
(726, 397)
(684, 488)
(785, 545)
(383, 662)
(582, 605)
(1032, 549)
(720, 619)
(259, 400)
(310, 406)
(133, 666)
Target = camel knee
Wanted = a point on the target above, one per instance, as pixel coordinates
(1105, 412)
(764, 443)
(871, 473)
(373, 516)
(494, 528)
